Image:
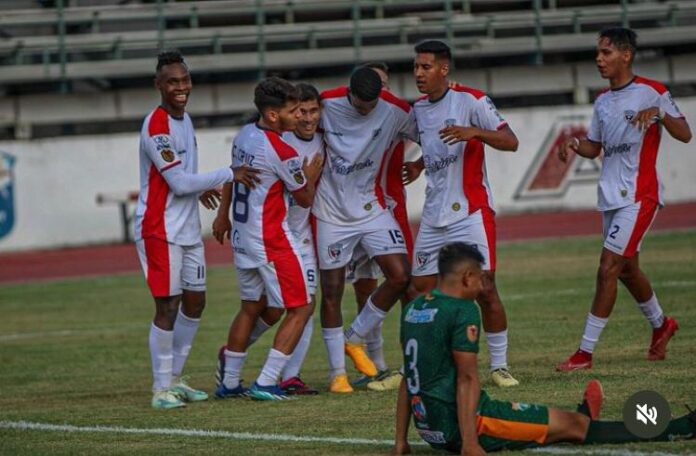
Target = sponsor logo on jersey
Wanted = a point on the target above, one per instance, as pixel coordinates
(432, 436)
(616, 149)
(472, 333)
(418, 408)
(433, 165)
(418, 316)
(422, 259)
(335, 252)
(7, 216)
(491, 106)
(340, 165)
(295, 168)
(237, 243)
(162, 142)
(167, 155)
(547, 176)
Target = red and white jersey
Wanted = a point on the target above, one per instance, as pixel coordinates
(629, 172)
(169, 160)
(260, 232)
(351, 192)
(298, 216)
(457, 184)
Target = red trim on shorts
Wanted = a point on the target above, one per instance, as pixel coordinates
(396, 101)
(279, 250)
(397, 192)
(658, 86)
(488, 217)
(158, 267)
(647, 185)
(159, 122)
(154, 217)
(284, 150)
(334, 93)
(646, 214)
(471, 91)
(474, 189)
(379, 191)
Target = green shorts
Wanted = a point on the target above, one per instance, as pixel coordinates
(500, 425)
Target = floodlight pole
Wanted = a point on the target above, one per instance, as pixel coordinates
(62, 55)
(357, 38)
(538, 31)
(260, 39)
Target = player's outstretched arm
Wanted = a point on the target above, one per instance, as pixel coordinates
(222, 227)
(503, 139)
(403, 416)
(245, 174)
(583, 147)
(411, 170)
(468, 392)
(182, 183)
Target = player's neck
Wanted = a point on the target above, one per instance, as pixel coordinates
(439, 93)
(267, 126)
(303, 137)
(621, 80)
(177, 113)
(454, 290)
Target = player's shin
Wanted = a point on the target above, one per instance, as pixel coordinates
(185, 329)
(292, 369)
(333, 338)
(161, 342)
(368, 318)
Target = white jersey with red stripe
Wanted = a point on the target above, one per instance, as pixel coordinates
(457, 184)
(350, 192)
(629, 172)
(169, 180)
(260, 231)
(298, 216)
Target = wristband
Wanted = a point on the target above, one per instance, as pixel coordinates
(576, 141)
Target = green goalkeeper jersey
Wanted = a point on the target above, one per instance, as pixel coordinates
(432, 326)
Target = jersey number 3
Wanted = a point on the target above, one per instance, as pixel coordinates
(412, 377)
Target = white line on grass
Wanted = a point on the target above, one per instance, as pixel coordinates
(30, 426)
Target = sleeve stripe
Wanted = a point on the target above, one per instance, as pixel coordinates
(502, 125)
(171, 165)
(159, 122)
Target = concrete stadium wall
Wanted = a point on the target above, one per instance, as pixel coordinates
(53, 183)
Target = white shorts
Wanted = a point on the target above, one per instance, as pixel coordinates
(477, 229)
(625, 228)
(361, 266)
(171, 268)
(379, 236)
(285, 283)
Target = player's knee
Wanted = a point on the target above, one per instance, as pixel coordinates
(271, 315)
(398, 278)
(608, 270)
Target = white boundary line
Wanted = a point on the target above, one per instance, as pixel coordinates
(31, 426)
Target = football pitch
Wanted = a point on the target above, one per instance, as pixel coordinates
(74, 361)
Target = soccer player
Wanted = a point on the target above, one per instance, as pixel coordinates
(440, 339)
(360, 123)
(627, 125)
(270, 269)
(455, 123)
(364, 272)
(309, 145)
(168, 231)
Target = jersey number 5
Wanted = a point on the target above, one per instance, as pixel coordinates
(240, 206)
(412, 377)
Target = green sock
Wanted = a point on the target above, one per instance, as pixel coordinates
(616, 432)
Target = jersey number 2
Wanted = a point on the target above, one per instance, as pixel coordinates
(412, 380)
(240, 206)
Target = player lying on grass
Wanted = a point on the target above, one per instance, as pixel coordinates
(440, 338)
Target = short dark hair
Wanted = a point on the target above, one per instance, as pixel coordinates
(307, 92)
(365, 84)
(378, 66)
(274, 92)
(451, 255)
(168, 57)
(622, 38)
(436, 47)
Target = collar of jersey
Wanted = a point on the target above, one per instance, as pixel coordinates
(441, 97)
(625, 85)
(302, 139)
(265, 129)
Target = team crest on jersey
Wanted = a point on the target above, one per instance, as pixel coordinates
(162, 142)
(335, 252)
(422, 259)
(418, 408)
(167, 155)
(295, 168)
(629, 114)
(472, 333)
(450, 122)
(7, 217)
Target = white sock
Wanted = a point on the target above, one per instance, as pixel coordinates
(259, 328)
(369, 317)
(375, 347)
(184, 331)
(652, 311)
(234, 361)
(593, 329)
(292, 369)
(275, 363)
(333, 338)
(497, 348)
(161, 342)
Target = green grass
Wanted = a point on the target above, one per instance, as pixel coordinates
(81, 357)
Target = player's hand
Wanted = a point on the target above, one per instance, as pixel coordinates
(246, 175)
(222, 227)
(210, 199)
(410, 172)
(401, 448)
(454, 134)
(312, 169)
(566, 147)
(645, 118)
(472, 449)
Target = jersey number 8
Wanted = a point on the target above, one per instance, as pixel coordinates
(240, 206)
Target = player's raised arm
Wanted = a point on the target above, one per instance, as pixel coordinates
(468, 392)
